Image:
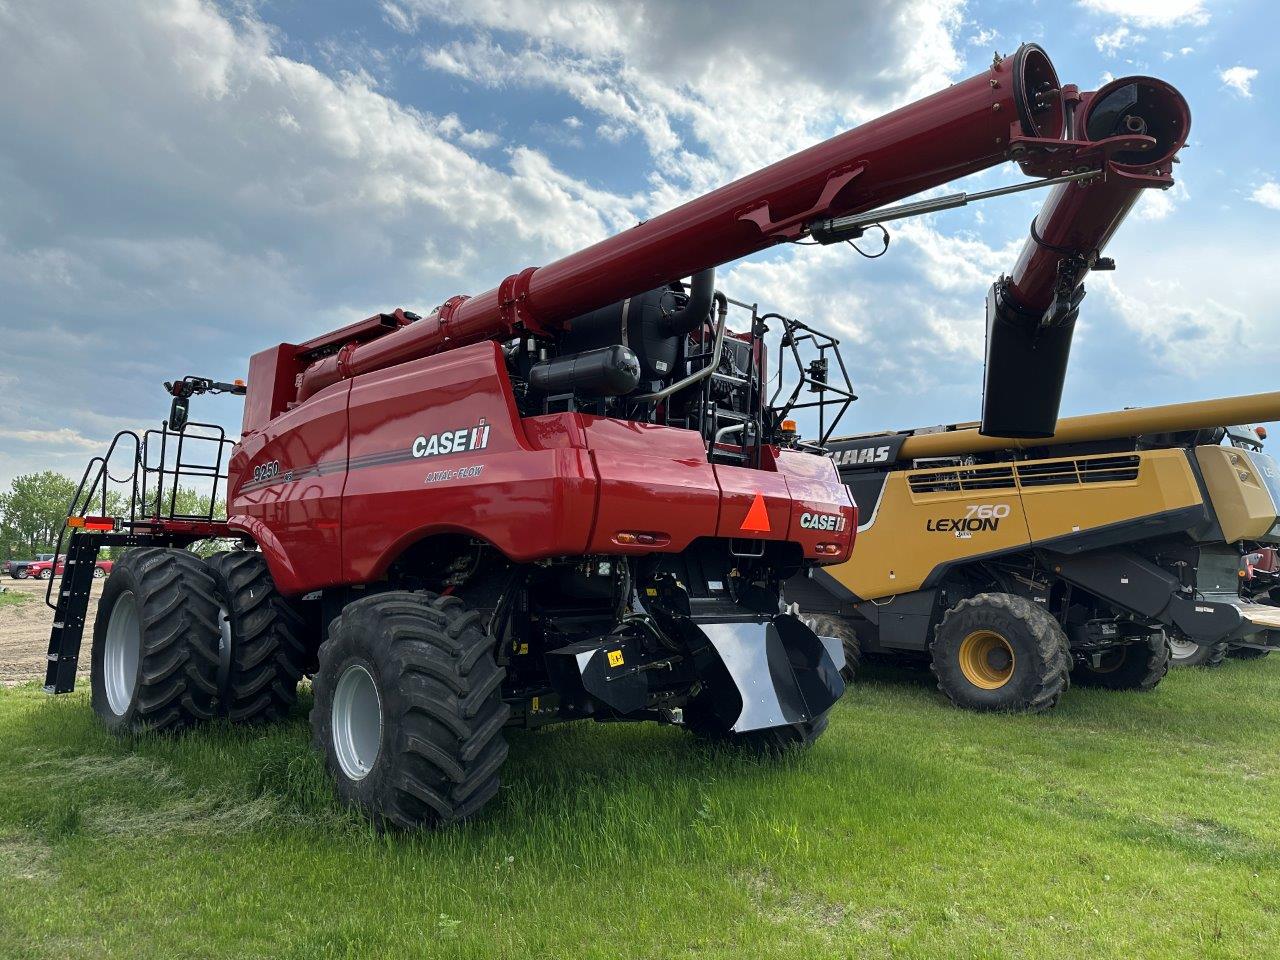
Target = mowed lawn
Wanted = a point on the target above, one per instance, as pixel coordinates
(1118, 826)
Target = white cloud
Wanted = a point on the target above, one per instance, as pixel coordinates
(1159, 204)
(782, 77)
(1239, 79)
(1153, 13)
(213, 196)
(1115, 41)
(1185, 331)
(61, 437)
(983, 37)
(398, 17)
(1267, 194)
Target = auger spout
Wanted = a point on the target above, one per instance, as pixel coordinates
(1031, 313)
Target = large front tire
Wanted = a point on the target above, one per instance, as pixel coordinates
(260, 650)
(154, 662)
(1139, 665)
(408, 709)
(999, 651)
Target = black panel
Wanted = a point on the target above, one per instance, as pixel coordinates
(1026, 368)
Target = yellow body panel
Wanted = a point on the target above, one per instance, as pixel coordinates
(1165, 482)
(929, 517)
(902, 545)
(1239, 497)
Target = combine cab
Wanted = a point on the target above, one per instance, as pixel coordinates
(1091, 555)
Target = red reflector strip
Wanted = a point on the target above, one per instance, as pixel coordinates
(92, 523)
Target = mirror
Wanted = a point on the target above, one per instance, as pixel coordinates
(178, 413)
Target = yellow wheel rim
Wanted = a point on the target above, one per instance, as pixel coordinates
(986, 659)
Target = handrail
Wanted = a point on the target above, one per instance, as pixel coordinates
(145, 500)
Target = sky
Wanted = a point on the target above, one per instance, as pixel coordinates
(186, 182)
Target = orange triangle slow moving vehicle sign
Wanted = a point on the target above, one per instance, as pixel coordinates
(757, 517)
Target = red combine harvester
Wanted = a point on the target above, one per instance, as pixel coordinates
(573, 496)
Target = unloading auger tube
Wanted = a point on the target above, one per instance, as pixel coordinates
(1168, 418)
(1014, 110)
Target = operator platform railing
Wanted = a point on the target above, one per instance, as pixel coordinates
(156, 467)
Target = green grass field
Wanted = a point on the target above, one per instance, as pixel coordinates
(1118, 826)
(11, 598)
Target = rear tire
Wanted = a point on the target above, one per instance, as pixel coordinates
(408, 709)
(998, 651)
(260, 647)
(154, 663)
(22, 573)
(825, 625)
(1184, 653)
(1140, 666)
(1247, 653)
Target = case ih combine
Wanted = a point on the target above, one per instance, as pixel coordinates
(1014, 567)
(572, 496)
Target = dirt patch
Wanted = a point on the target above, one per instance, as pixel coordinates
(24, 631)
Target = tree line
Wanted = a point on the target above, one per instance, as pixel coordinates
(34, 511)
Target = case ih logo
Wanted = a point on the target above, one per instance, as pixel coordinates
(452, 441)
(822, 521)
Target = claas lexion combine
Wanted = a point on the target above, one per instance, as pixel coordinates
(1016, 566)
(573, 495)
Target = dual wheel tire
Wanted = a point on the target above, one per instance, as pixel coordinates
(179, 640)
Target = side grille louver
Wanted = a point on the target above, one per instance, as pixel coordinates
(962, 479)
(1084, 470)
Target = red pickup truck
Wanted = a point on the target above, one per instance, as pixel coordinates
(43, 569)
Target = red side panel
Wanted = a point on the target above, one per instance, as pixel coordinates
(286, 490)
(740, 514)
(437, 446)
(817, 499)
(653, 480)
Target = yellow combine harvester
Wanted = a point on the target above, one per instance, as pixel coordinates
(1016, 566)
